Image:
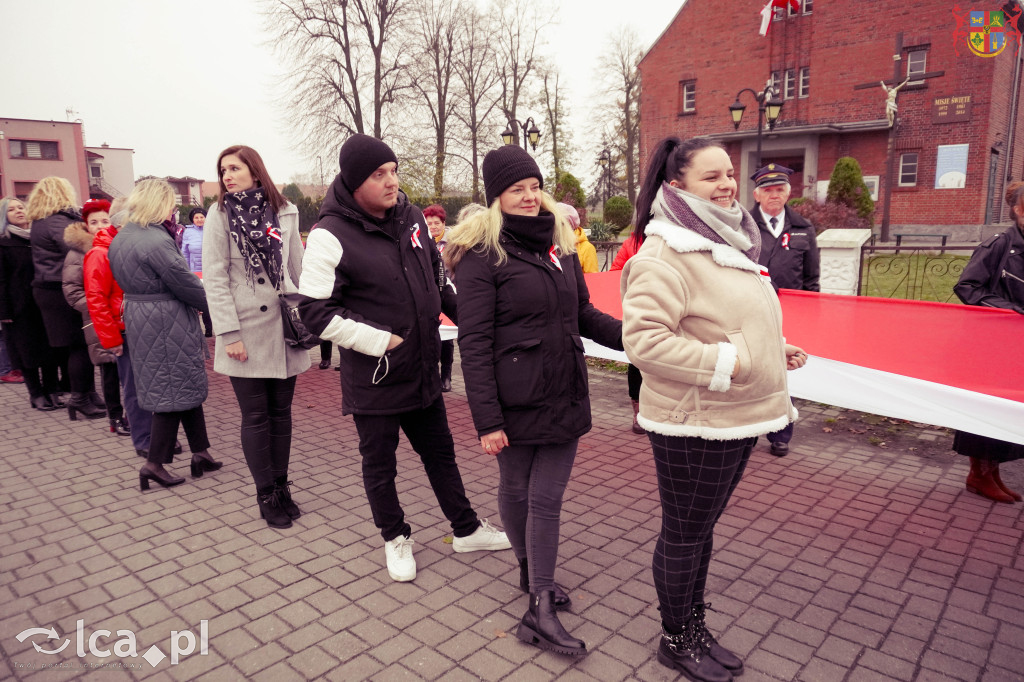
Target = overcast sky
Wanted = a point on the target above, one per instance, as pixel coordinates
(179, 81)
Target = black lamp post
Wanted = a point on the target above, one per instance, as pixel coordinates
(531, 133)
(769, 106)
(605, 160)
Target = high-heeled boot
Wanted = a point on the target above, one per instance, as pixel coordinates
(284, 494)
(561, 599)
(540, 626)
(80, 403)
(999, 482)
(96, 400)
(980, 481)
(725, 658)
(270, 508)
(684, 653)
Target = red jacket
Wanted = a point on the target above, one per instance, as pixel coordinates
(626, 251)
(102, 294)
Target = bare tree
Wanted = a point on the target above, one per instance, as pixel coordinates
(439, 32)
(519, 29)
(552, 101)
(477, 74)
(347, 67)
(621, 77)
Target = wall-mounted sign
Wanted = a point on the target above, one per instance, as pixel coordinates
(951, 166)
(951, 109)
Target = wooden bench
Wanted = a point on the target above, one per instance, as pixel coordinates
(900, 235)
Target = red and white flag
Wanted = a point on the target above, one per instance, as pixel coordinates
(769, 10)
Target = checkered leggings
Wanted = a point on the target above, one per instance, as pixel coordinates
(696, 477)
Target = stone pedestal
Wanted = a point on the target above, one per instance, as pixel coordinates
(840, 260)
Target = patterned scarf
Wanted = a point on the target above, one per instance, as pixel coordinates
(733, 226)
(256, 233)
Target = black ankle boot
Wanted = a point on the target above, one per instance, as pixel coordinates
(271, 510)
(561, 599)
(684, 653)
(540, 626)
(80, 404)
(281, 483)
(725, 658)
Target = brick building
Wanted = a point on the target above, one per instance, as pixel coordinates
(957, 114)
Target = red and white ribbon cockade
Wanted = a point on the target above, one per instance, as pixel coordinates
(554, 258)
(416, 238)
(274, 233)
(785, 241)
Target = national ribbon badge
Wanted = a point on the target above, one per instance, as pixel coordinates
(554, 258)
(416, 238)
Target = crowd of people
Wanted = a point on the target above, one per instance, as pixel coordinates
(124, 288)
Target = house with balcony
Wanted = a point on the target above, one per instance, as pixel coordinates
(111, 171)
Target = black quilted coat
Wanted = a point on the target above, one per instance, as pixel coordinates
(161, 296)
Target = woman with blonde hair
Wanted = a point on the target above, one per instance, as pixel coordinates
(51, 208)
(252, 254)
(161, 299)
(523, 305)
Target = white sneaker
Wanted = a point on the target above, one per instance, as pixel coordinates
(401, 564)
(484, 537)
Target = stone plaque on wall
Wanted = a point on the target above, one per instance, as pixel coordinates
(952, 109)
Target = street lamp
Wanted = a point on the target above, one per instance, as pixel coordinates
(769, 106)
(531, 133)
(320, 159)
(605, 160)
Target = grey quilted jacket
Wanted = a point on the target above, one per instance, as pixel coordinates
(161, 296)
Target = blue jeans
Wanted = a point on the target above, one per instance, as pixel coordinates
(533, 481)
(5, 360)
(140, 420)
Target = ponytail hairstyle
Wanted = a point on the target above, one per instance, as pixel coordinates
(669, 161)
(1015, 199)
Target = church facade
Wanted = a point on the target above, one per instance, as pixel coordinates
(834, 63)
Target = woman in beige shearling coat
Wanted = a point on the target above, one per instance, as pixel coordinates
(251, 252)
(703, 324)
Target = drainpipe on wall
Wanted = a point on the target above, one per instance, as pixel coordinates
(1011, 139)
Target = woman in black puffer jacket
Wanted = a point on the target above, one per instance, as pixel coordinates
(51, 208)
(523, 306)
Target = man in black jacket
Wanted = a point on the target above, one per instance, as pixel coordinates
(370, 282)
(789, 250)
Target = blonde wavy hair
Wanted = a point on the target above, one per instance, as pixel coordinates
(480, 232)
(50, 195)
(151, 202)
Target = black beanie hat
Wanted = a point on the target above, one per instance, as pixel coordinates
(360, 156)
(192, 214)
(504, 167)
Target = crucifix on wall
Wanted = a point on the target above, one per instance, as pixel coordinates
(892, 88)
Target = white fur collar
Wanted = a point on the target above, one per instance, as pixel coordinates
(686, 241)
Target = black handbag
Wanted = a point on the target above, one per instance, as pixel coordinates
(296, 335)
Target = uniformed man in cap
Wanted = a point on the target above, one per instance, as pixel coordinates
(789, 250)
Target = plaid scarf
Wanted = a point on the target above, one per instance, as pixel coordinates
(256, 232)
(733, 226)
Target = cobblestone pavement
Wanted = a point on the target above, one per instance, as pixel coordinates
(842, 561)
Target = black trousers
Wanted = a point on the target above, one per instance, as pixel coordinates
(634, 380)
(447, 358)
(165, 431)
(266, 406)
(696, 477)
(111, 389)
(428, 434)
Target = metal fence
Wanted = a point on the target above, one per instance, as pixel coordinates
(912, 273)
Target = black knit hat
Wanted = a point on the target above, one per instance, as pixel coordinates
(360, 156)
(504, 167)
(192, 214)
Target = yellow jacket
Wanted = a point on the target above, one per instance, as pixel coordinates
(587, 252)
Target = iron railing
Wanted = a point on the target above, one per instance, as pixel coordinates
(918, 274)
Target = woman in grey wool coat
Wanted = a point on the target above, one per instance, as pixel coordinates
(252, 252)
(161, 297)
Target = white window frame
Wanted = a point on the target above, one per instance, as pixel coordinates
(923, 54)
(688, 94)
(805, 82)
(789, 84)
